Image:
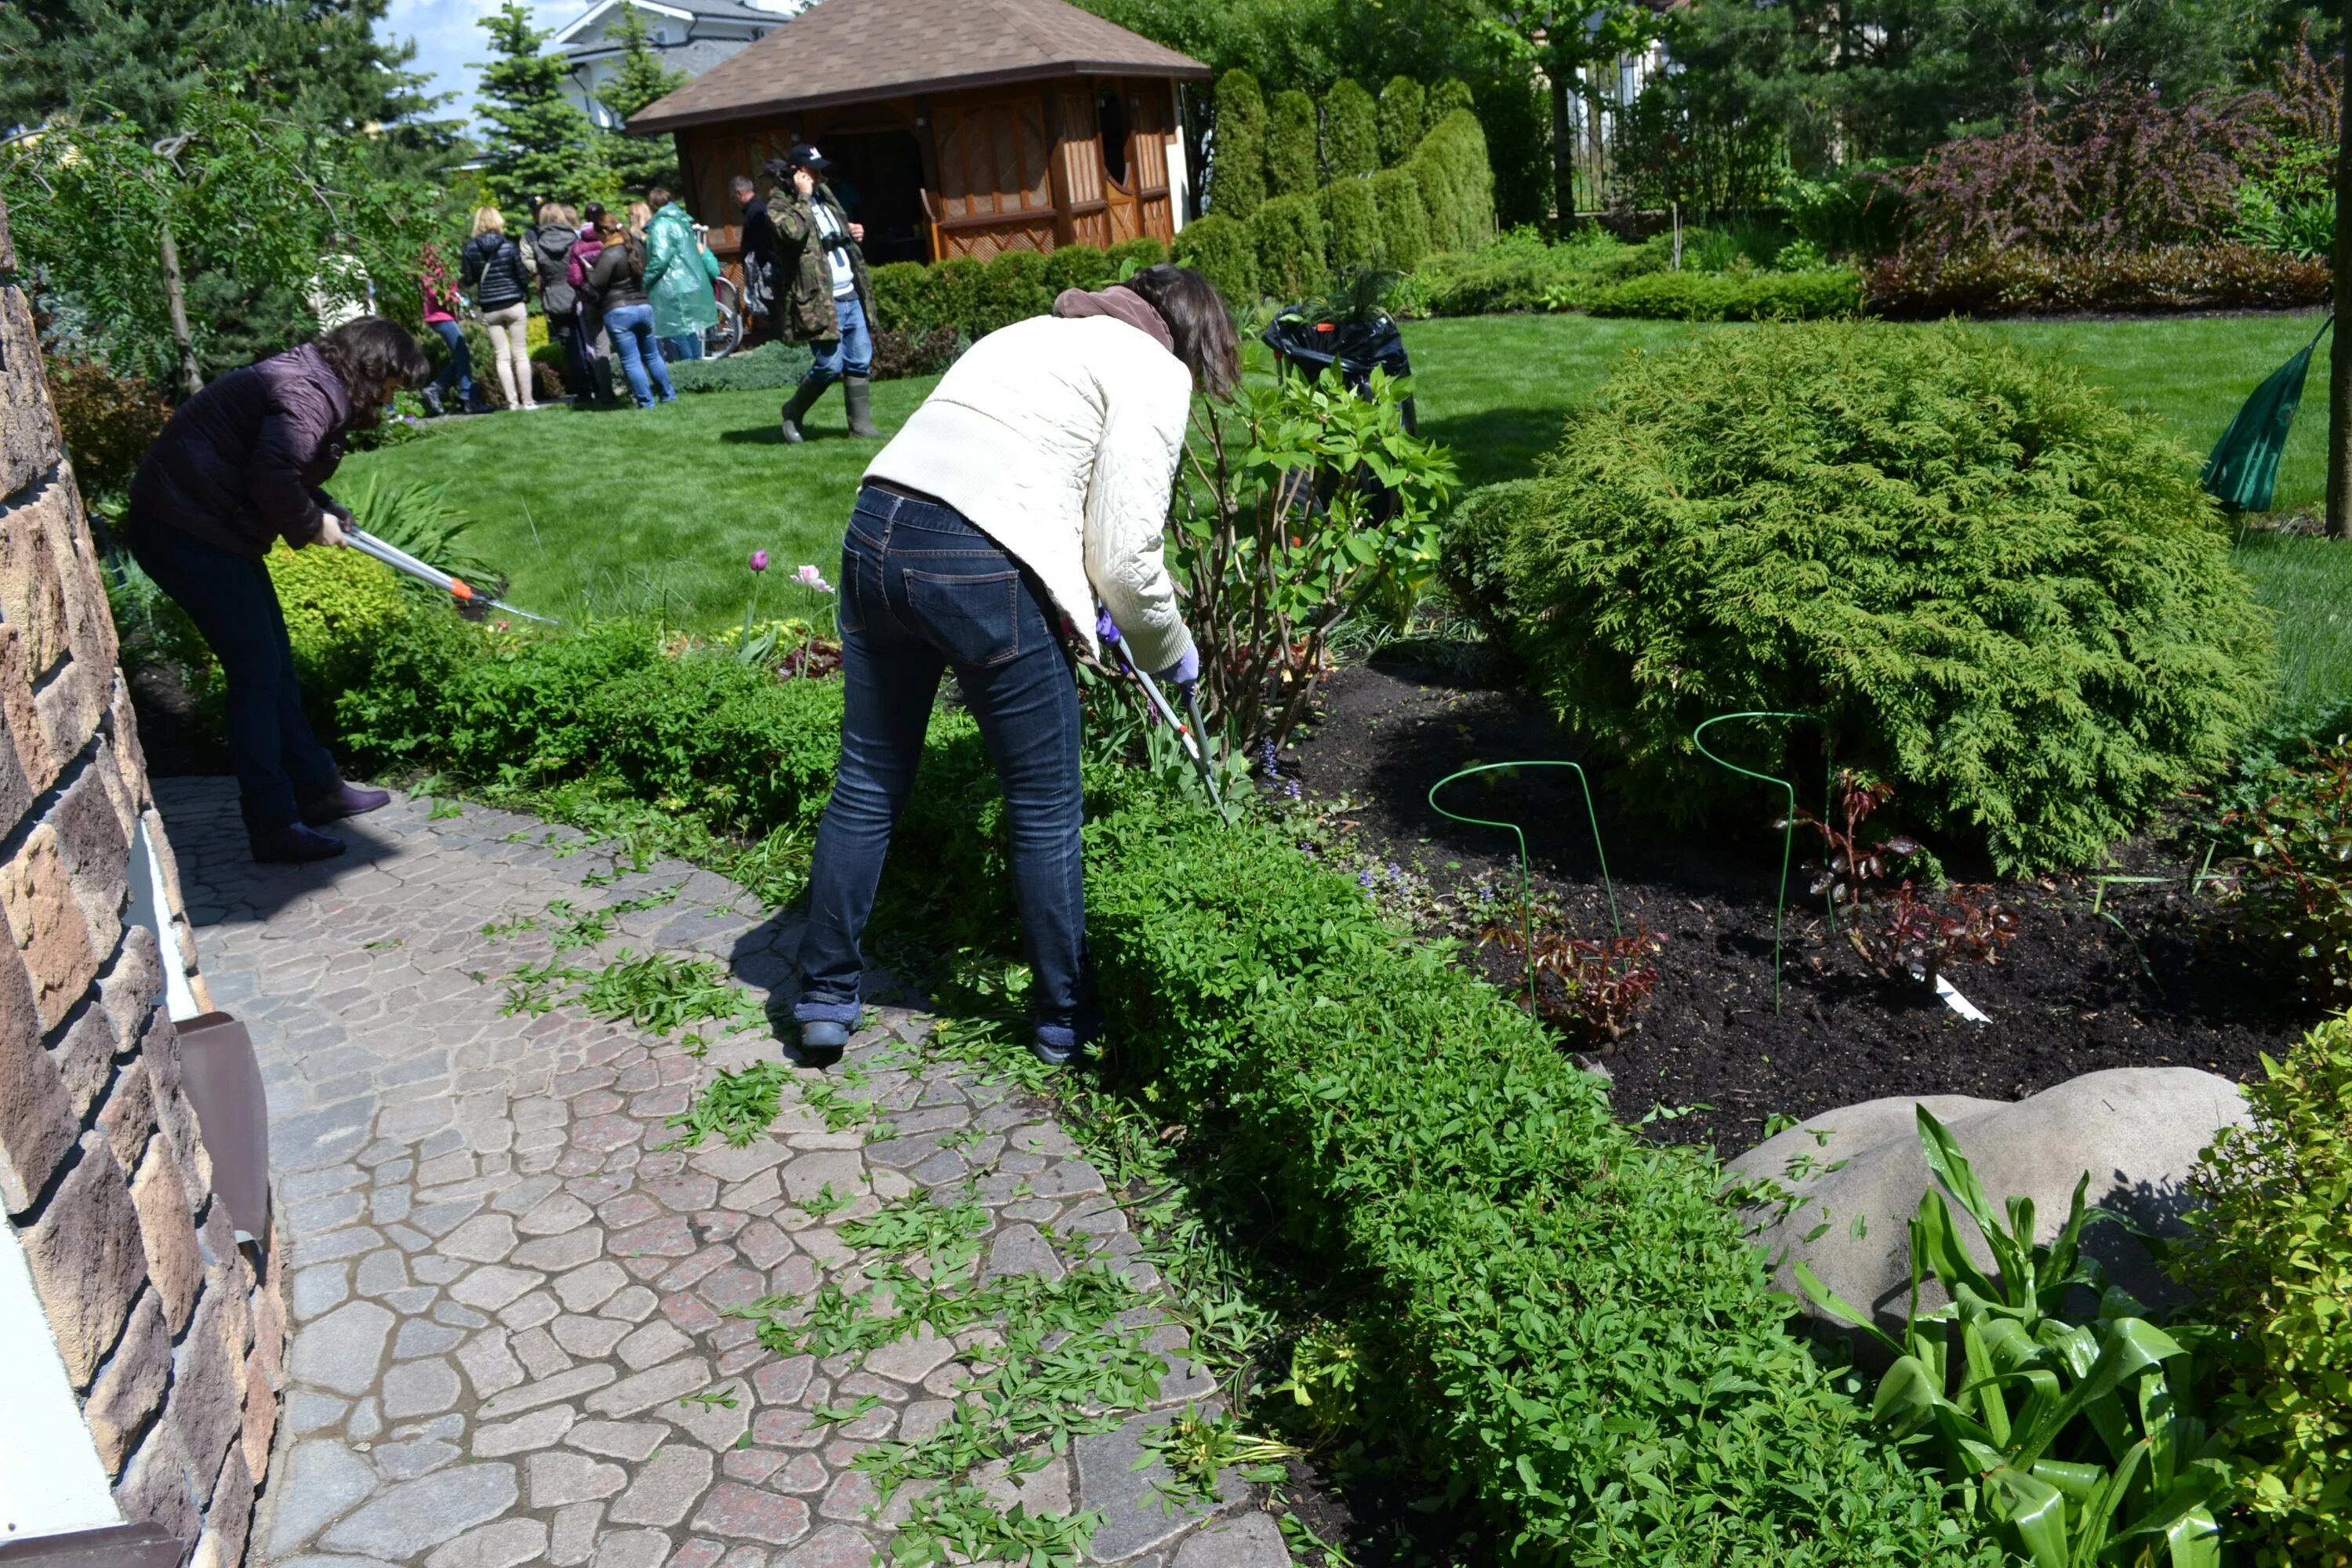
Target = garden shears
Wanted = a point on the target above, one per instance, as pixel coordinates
(457, 588)
(1156, 702)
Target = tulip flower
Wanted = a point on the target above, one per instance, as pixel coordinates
(810, 577)
(759, 561)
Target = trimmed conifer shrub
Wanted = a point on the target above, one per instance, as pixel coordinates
(1293, 167)
(1993, 587)
(1457, 143)
(1079, 266)
(1352, 135)
(1403, 120)
(1404, 221)
(1447, 96)
(1012, 289)
(1237, 157)
(1286, 244)
(1219, 249)
(1352, 224)
(1438, 200)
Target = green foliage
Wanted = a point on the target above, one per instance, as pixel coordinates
(1219, 249)
(1457, 183)
(1285, 237)
(903, 297)
(2273, 1271)
(638, 78)
(771, 365)
(1404, 119)
(2296, 883)
(2292, 208)
(537, 143)
(253, 202)
(1079, 266)
(1351, 134)
(1142, 251)
(1404, 219)
(973, 298)
(1012, 289)
(1266, 580)
(337, 605)
(1294, 167)
(1857, 211)
(1994, 588)
(1352, 224)
(2075, 1440)
(420, 520)
(1806, 296)
(1449, 97)
(108, 422)
(1237, 171)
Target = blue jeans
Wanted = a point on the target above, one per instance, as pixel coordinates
(631, 328)
(852, 354)
(923, 590)
(459, 370)
(234, 605)
(685, 346)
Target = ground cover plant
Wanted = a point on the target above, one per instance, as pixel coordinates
(1981, 583)
(2273, 1270)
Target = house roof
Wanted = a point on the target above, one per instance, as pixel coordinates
(686, 10)
(854, 51)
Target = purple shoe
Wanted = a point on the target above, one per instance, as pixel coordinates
(293, 845)
(343, 800)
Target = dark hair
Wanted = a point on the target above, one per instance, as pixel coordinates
(371, 352)
(656, 196)
(592, 215)
(1199, 322)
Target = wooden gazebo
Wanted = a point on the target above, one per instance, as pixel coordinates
(957, 127)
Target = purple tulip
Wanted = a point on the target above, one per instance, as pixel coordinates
(759, 561)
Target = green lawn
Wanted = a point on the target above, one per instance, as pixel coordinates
(658, 510)
(653, 511)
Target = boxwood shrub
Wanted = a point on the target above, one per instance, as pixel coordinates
(1993, 586)
(1562, 1316)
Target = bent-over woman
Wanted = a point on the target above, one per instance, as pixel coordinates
(1034, 481)
(237, 467)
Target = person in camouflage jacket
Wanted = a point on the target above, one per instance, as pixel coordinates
(824, 295)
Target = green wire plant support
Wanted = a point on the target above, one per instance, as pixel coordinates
(1788, 826)
(1527, 923)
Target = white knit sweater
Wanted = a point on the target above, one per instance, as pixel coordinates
(1059, 438)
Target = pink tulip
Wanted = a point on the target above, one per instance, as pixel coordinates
(810, 577)
(759, 561)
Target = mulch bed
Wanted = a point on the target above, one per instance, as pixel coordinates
(2158, 984)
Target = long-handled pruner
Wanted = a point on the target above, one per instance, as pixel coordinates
(1157, 703)
(457, 588)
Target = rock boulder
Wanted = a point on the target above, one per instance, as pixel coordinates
(1859, 1173)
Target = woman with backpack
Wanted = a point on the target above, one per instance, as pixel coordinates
(617, 283)
(492, 267)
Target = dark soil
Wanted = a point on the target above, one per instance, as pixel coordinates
(2158, 983)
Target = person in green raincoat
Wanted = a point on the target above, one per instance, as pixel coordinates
(679, 270)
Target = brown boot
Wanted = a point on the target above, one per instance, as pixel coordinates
(859, 391)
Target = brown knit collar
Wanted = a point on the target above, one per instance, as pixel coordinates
(1121, 303)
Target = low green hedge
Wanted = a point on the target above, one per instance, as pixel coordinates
(1562, 1315)
(1730, 297)
(975, 298)
(771, 365)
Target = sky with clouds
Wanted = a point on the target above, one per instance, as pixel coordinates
(447, 34)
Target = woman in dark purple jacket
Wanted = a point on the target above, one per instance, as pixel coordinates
(239, 468)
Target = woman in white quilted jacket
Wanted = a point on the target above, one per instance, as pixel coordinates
(1032, 484)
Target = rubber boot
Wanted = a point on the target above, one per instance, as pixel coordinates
(859, 391)
(805, 398)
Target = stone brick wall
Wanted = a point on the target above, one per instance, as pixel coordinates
(172, 1335)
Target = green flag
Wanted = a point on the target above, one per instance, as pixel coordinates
(2242, 472)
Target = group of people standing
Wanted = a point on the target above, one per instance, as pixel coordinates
(635, 286)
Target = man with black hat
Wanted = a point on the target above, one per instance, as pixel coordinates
(824, 298)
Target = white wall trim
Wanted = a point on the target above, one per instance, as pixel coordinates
(50, 1479)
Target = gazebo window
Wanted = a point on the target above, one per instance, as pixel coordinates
(1110, 113)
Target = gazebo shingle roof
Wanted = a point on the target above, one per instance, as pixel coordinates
(852, 51)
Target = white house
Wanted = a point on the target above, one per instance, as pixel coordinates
(690, 36)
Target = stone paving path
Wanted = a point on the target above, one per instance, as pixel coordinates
(503, 1292)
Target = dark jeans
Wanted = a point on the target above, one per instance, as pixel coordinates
(577, 355)
(922, 591)
(234, 605)
(460, 368)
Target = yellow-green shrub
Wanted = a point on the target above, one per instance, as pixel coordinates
(2275, 1272)
(339, 606)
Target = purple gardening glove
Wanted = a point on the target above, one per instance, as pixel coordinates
(1105, 629)
(1185, 673)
